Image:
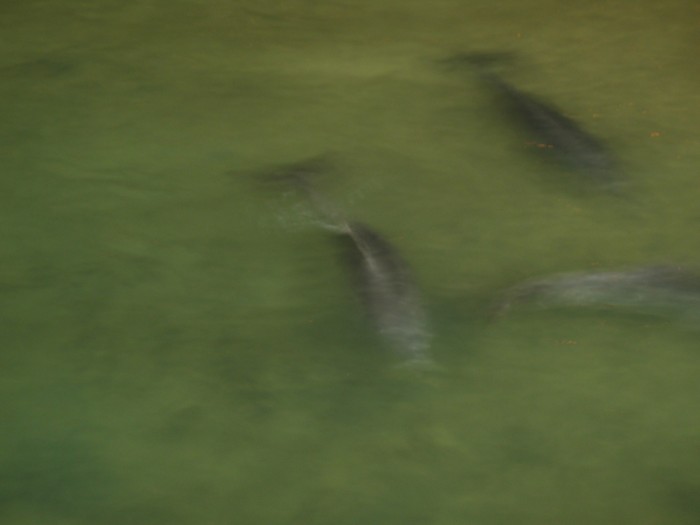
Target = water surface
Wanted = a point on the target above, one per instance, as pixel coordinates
(181, 347)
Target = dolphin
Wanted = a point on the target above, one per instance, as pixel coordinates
(546, 126)
(380, 274)
(661, 290)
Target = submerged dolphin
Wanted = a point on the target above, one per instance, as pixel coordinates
(388, 290)
(381, 275)
(547, 126)
(667, 291)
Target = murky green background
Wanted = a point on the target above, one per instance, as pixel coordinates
(180, 347)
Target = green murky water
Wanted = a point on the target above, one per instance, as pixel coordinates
(179, 347)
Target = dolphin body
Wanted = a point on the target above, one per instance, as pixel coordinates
(547, 126)
(381, 275)
(388, 290)
(666, 291)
